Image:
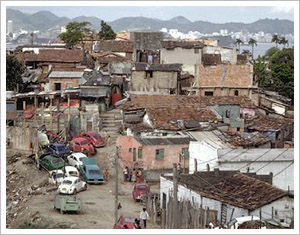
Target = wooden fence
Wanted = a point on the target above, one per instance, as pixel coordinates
(180, 215)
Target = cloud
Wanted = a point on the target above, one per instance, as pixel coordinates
(282, 9)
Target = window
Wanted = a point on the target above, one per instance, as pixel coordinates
(149, 74)
(185, 152)
(130, 150)
(208, 93)
(196, 50)
(227, 113)
(236, 93)
(159, 154)
(238, 128)
(134, 154)
(139, 153)
(57, 86)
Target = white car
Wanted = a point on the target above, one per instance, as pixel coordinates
(72, 185)
(235, 223)
(56, 177)
(75, 159)
(71, 171)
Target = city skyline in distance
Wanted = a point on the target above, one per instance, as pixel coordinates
(214, 14)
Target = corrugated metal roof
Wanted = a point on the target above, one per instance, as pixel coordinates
(66, 74)
(248, 155)
(164, 141)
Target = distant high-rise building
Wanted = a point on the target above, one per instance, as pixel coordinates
(9, 26)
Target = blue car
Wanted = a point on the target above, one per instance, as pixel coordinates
(59, 149)
(91, 171)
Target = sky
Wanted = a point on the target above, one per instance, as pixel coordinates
(220, 14)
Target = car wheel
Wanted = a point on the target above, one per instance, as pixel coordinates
(85, 187)
(61, 211)
(75, 191)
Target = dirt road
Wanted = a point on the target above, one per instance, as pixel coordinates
(98, 200)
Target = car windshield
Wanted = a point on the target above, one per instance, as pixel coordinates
(67, 182)
(142, 187)
(61, 148)
(84, 142)
(96, 136)
(57, 160)
(129, 219)
(59, 175)
(72, 173)
(80, 159)
(94, 172)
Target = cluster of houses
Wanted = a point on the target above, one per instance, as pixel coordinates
(189, 102)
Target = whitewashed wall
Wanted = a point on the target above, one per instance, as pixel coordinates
(204, 153)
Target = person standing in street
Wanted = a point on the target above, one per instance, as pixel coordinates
(144, 216)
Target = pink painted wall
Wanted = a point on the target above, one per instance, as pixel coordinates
(148, 161)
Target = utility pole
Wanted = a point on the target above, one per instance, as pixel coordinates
(58, 114)
(116, 183)
(175, 204)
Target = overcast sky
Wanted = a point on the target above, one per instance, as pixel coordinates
(212, 14)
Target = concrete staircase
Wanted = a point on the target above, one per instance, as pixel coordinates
(111, 123)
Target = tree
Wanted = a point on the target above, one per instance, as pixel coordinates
(238, 42)
(252, 42)
(271, 52)
(14, 71)
(261, 74)
(275, 39)
(76, 31)
(106, 32)
(283, 41)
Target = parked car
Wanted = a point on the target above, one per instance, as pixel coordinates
(81, 144)
(75, 159)
(58, 149)
(94, 138)
(71, 171)
(71, 185)
(56, 177)
(66, 203)
(125, 219)
(139, 191)
(91, 171)
(50, 162)
(240, 221)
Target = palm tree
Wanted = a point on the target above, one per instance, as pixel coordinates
(283, 41)
(252, 42)
(238, 42)
(276, 39)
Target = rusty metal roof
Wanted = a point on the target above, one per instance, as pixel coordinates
(164, 140)
(265, 123)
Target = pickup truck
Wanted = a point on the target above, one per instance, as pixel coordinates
(91, 171)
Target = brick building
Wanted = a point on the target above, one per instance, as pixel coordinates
(225, 79)
(60, 80)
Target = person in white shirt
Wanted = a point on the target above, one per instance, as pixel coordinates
(144, 216)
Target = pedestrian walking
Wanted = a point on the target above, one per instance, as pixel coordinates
(133, 176)
(125, 172)
(144, 216)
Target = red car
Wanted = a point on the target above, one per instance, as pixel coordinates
(94, 138)
(125, 219)
(140, 190)
(81, 144)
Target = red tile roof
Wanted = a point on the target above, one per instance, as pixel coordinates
(53, 55)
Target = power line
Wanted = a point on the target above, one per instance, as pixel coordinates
(255, 159)
(283, 169)
(271, 161)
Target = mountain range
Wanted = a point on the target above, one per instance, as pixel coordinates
(46, 20)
